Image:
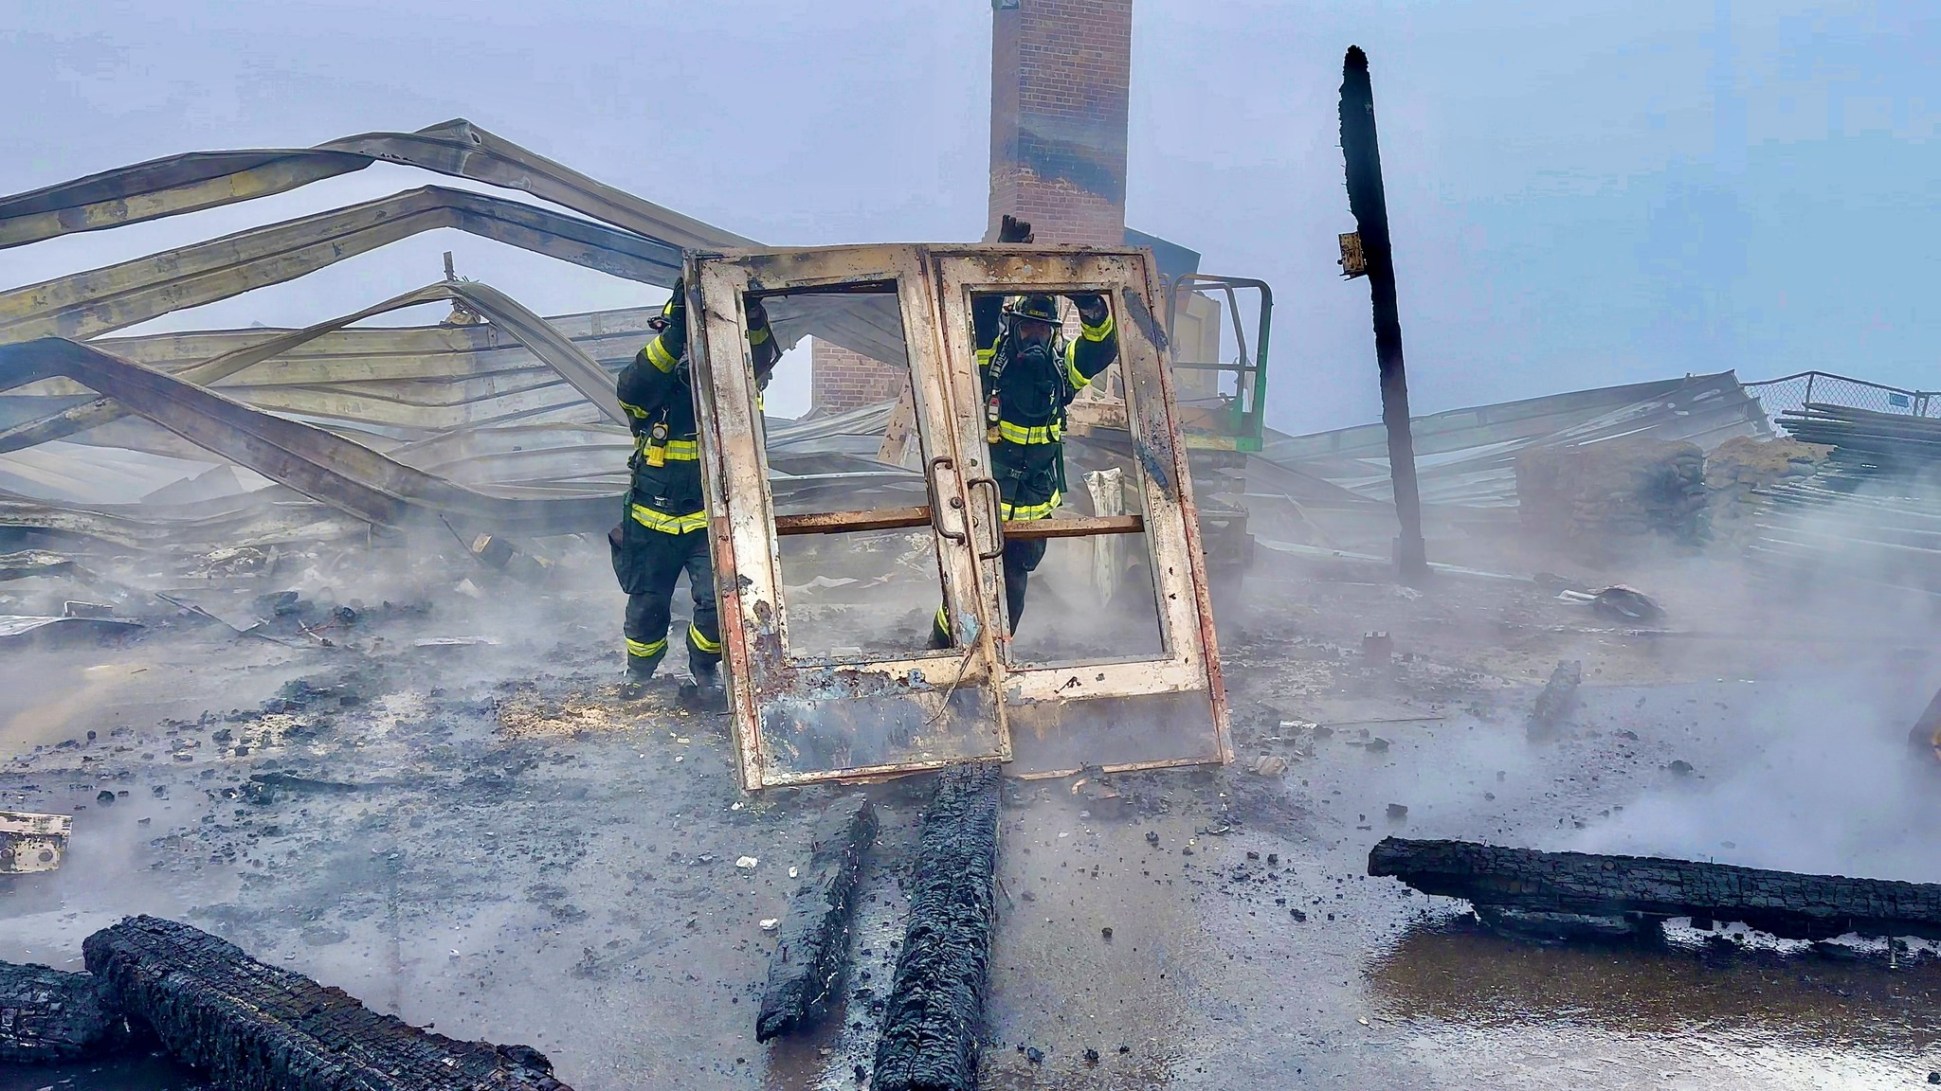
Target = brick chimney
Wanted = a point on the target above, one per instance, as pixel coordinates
(1061, 71)
(1060, 75)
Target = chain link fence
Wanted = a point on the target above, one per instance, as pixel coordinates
(1778, 395)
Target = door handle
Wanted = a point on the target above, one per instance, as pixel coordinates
(997, 517)
(944, 462)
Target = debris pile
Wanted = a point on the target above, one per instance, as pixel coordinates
(1602, 501)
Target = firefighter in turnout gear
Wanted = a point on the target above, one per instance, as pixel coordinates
(1030, 375)
(664, 530)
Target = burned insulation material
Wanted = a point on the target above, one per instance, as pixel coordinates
(250, 1026)
(809, 958)
(48, 1016)
(935, 1009)
(1783, 903)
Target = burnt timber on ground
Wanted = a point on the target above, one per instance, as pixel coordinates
(47, 1016)
(936, 1007)
(809, 958)
(1553, 706)
(250, 1026)
(1780, 902)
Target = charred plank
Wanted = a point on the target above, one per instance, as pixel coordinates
(47, 1016)
(936, 1007)
(250, 1026)
(1781, 902)
(1558, 699)
(809, 961)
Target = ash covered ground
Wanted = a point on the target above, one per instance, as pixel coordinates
(491, 838)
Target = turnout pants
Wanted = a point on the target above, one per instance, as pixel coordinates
(1020, 560)
(648, 563)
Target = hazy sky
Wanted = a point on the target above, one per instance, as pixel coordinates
(1581, 194)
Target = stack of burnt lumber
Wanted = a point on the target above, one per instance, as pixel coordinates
(1894, 444)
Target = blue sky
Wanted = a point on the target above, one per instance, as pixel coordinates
(1581, 194)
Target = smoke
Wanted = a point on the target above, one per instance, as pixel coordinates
(1814, 768)
(1827, 785)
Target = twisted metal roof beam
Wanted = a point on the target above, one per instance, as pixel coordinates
(548, 344)
(198, 180)
(116, 296)
(319, 464)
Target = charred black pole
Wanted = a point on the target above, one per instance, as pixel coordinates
(1370, 208)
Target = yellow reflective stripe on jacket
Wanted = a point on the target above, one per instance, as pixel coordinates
(1072, 374)
(1024, 513)
(712, 647)
(676, 450)
(658, 356)
(1019, 434)
(1099, 332)
(943, 621)
(634, 411)
(644, 651)
(984, 355)
(756, 337)
(669, 524)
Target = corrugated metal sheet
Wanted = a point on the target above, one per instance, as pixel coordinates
(1468, 456)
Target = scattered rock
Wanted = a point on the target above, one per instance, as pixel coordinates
(1092, 1057)
(769, 924)
(1269, 765)
(1152, 837)
(1034, 1055)
(1106, 932)
(1681, 767)
(746, 863)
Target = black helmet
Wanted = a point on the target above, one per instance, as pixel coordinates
(1037, 308)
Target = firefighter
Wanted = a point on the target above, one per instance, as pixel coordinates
(1030, 374)
(664, 530)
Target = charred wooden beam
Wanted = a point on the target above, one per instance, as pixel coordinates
(809, 959)
(1781, 902)
(936, 1007)
(47, 1016)
(1559, 697)
(250, 1026)
(1369, 203)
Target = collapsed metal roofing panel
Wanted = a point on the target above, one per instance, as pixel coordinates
(546, 343)
(325, 467)
(1468, 456)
